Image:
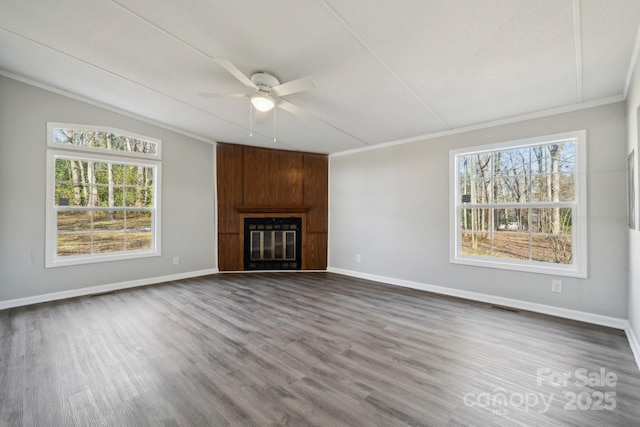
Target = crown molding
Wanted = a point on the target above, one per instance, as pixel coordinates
(508, 120)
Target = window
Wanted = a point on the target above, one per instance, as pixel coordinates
(103, 188)
(521, 205)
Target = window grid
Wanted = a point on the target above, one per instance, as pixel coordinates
(517, 205)
(101, 206)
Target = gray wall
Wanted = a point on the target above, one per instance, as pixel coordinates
(391, 205)
(188, 194)
(633, 103)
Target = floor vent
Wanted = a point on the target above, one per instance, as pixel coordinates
(503, 308)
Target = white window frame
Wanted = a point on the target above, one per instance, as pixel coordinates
(55, 151)
(579, 266)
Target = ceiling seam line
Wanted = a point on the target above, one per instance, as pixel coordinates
(203, 53)
(159, 28)
(577, 35)
(117, 75)
(379, 59)
(633, 63)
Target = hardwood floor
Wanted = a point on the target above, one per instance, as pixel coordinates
(305, 349)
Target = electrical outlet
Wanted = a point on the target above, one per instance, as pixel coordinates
(556, 285)
(176, 260)
(358, 258)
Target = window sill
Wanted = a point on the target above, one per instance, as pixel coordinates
(542, 268)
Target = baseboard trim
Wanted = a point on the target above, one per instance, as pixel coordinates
(19, 302)
(597, 319)
(634, 343)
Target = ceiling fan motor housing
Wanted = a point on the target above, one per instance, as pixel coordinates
(265, 82)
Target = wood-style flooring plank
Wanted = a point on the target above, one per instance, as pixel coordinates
(301, 349)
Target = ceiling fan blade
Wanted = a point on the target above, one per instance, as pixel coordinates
(260, 117)
(294, 109)
(305, 83)
(236, 73)
(222, 95)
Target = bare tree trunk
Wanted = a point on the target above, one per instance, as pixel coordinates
(91, 176)
(111, 196)
(75, 179)
(140, 182)
(555, 150)
(474, 241)
(83, 182)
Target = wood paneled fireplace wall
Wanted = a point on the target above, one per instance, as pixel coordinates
(263, 183)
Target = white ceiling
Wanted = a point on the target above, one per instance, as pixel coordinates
(386, 70)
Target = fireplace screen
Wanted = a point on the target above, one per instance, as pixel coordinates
(272, 243)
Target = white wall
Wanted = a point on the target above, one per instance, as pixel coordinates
(391, 205)
(188, 195)
(633, 103)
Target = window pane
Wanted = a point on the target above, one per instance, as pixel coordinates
(481, 165)
(140, 196)
(541, 188)
(552, 220)
(511, 189)
(63, 170)
(568, 157)
(139, 231)
(108, 220)
(540, 160)
(554, 249)
(118, 174)
(511, 219)
(103, 140)
(476, 219)
(477, 244)
(509, 241)
(74, 221)
(138, 221)
(480, 190)
(73, 244)
(101, 172)
(108, 242)
(475, 236)
(64, 194)
(466, 223)
(93, 195)
(131, 174)
(118, 196)
(553, 188)
(139, 241)
(511, 245)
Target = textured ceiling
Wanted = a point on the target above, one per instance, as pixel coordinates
(385, 70)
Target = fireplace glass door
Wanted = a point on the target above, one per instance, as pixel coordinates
(272, 243)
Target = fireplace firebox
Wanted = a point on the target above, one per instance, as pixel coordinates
(273, 243)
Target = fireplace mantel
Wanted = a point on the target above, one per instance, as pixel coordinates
(273, 209)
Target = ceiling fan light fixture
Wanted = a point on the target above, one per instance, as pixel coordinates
(262, 103)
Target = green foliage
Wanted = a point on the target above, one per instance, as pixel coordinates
(103, 140)
(126, 185)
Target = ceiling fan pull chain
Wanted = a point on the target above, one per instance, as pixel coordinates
(274, 125)
(250, 120)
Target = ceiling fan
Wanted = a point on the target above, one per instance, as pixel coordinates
(265, 91)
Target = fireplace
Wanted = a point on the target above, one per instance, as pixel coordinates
(273, 243)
